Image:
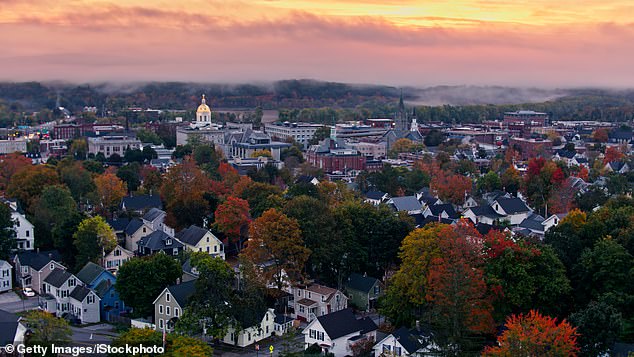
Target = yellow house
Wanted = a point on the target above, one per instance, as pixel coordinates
(197, 239)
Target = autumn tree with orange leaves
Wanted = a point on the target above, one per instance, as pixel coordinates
(27, 184)
(456, 288)
(110, 190)
(276, 238)
(231, 217)
(535, 335)
(612, 154)
(451, 187)
(10, 164)
(183, 191)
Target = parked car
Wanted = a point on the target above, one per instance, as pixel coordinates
(28, 292)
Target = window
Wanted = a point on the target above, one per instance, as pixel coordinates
(215, 248)
(161, 323)
(168, 297)
(52, 266)
(28, 233)
(91, 299)
(207, 239)
(376, 290)
(207, 249)
(168, 310)
(302, 309)
(249, 339)
(160, 309)
(176, 312)
(397, 351)
(387, 348)
(71, 282)
(175, 251)
(312, 333)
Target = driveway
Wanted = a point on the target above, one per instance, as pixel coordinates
(11, 302)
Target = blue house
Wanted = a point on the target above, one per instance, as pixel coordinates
(102, 283)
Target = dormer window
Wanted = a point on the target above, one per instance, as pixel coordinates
(168, 241)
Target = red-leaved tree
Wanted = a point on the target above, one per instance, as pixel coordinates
(231, 217)
(535, 335)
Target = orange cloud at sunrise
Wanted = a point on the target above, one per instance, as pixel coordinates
(509, 42)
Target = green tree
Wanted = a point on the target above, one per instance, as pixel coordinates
(141, 280)
(147, 136)
(93, 238)
(46, 329)
(52, 210)
(489, 182)
(76, 178)
(7, 234)
(261, 197)
(599, 326)
(130, 174)
(137, 337)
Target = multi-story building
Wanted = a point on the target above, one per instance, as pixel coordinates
(57, 288)
(12, 145)
(32, 268)
(316, 300)
(5, 276)
(112, 144)
(67, 131)
(333, 155)
(299, 132)
(529, 148)
(24, 230)
(375, 150)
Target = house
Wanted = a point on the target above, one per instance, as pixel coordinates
(24, 230)
(113, 260)
(84, 305)
(102, 281)
(469, 202)
(282, 324)
(12, 331)
(376, 197)
(421, 221)
(445, 210)
(363, 291)
(155, 219)
(513, 209)
(32, 267)
(553, 220)
(317, 300)
(189, 272)
(55, 297)
(197, 239)
(169, 305)
(409, 204)
(6, 278)
(407, 342)
(134, 231)
(141, 204)
(252, 334)
(118, 226)
(483, 214)
(426, 197)
(617, 166)
(533, 225)
(337, 332)
(159, 241)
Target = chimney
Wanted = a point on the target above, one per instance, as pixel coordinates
(50, 255)
(37, 250)
(418, 325)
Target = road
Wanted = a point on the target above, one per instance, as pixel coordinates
(278, 343)
(11, 302)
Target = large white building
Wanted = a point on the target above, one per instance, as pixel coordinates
(112, 144)
(10, 146)
(300, 132)
(24, 230)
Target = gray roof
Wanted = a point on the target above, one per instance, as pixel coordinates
(533, 225)
(340, 323)
(485, 211)
(57, 277)
(375, 195)
(142, 202)
(156, 241)
(39, 260)
(153, 214)
(133, 226)
(360, 283)
(411, 339)
(436, 210)
(80, 293)
(512, 205)
(191, 235)
(102, 288)
(118, 224)
(9, 323)
(182, 292)
(89, 272)
(406, 203)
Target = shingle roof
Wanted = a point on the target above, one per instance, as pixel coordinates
(533, 225)
(80, 293)
(142, 202)
(340, 323)
(422, 221)
(191, 235)
(182, 292)
(38, 260)
(566, 153)
(512, 205)
(436, 210)
(485, 211)
(360, 283)
(406, 203)
(282, 319)
(153, 214)
(156, 241)
(367, 325)
(102, 288)
(89, 272)
(9, 323)
(118, 224)
(57, 277)
(133, 226)
(374, 195)
(410, 339)
(307, 302)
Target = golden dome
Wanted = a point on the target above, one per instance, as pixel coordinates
(203, 107)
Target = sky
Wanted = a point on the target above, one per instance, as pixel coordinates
(541, 43)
